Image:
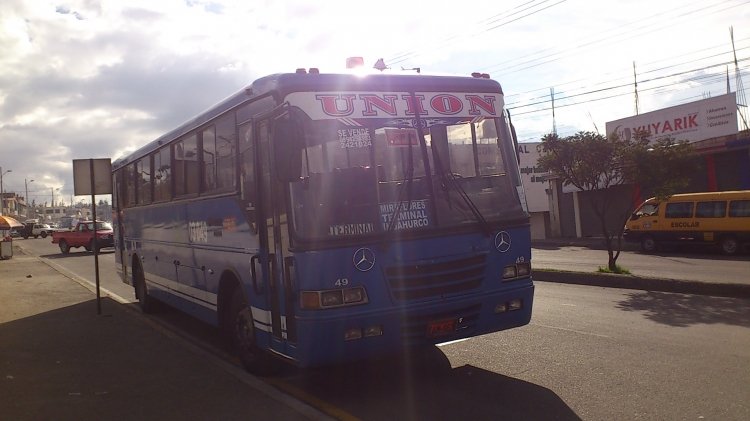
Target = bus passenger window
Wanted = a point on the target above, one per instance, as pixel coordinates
(226, 152)
(162, 175)
(209, 159)
(679, 210)
(130, 185)
(143, 177)
(247, 164)
(711, 209)
(739, 208)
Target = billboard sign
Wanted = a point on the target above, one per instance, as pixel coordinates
(532, 177)
(699, 120)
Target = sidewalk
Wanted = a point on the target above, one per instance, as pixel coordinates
(702, 282)
(60, 360)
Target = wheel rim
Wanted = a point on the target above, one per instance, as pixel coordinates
(649, 244)
(729, 246)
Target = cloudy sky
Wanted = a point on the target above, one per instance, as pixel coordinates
(100, 78)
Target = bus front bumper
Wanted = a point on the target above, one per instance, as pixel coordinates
(360, 336)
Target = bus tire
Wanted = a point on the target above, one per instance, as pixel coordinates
(648, 244)
(145, 302)
(242, 338)
(64, 247)
(729, 245)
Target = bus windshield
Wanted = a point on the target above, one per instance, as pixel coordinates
(382, 178)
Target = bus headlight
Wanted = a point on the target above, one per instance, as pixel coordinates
(516, 271)
(315, 300)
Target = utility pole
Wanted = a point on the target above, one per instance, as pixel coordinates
(635, 79)
(26, 198)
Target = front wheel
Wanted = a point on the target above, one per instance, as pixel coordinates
(648, 244)
(729, 245)
(44, 234)
(64, 247)
(242, 338)
(145, 302)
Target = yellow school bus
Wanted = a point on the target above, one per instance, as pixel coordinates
(713, 218)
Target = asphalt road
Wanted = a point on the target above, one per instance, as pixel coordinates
(589, 353)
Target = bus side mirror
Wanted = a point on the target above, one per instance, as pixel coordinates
(287, 147)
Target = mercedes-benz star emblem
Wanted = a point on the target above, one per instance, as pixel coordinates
(502, 241)
(363, 259)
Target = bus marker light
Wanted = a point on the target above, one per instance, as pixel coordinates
(353, 334)
(501, 308)
(376, 330)
(515, 304)
(509, 272)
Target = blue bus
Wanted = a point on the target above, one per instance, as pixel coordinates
(325, 218)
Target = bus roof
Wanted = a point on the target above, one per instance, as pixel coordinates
(281, 84)
(714, 195)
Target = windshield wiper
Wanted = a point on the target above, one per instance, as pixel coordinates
(405, 187)
(448, 179)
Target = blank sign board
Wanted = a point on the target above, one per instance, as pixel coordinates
(82, 176)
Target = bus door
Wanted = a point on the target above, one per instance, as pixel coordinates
(274, 240)
(117, 226)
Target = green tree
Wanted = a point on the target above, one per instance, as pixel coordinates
(591, 162)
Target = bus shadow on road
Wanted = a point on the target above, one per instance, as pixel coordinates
(428, 388)
(683, 310)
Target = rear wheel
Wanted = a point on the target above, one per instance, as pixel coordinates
(242, 338)
(648, 244)
(729, 245)
(64, 247)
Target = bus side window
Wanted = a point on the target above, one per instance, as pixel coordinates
(711, 209)
(226, 152)
(679, 210)
(247, 171)
(739, 208)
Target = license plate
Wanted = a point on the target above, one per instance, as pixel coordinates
(441, 328)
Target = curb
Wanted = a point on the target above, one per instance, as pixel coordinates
(610, 280)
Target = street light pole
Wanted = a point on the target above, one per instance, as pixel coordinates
(2, 191)
(26, 184)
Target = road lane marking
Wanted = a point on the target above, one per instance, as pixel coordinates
(571, 330)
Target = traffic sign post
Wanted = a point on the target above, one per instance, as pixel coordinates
(93, 176)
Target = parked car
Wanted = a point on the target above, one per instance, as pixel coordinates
(36, 230)
(82, 235)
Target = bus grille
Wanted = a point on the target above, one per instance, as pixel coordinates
(421, 281)
(414, 328)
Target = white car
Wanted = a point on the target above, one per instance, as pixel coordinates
(41, 230)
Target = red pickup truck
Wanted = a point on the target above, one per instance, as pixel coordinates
(83, 235)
